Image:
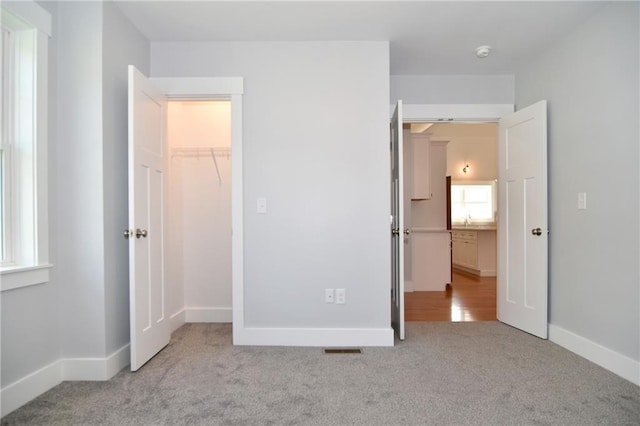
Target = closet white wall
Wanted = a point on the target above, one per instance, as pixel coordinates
(199, 136)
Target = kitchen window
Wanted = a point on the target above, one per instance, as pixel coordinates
(473, 203)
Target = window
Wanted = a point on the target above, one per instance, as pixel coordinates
(23, 145)
(473, 203)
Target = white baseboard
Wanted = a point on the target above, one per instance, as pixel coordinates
(223, 315)
(408, 286)
(96, 368)
(29, 387)
(325, 337)
(24, 390)
(619, 364)
(177, 320)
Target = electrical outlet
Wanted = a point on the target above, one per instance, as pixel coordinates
(328, 295)
(341, 296)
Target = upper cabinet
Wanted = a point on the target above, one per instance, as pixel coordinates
(421, 146)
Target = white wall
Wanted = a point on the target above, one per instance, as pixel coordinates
(590, 79)
(325, 176)
(475, 144)
(66, 328)
(453, 89)
(29, 328)
(80, 266)
(122, 45)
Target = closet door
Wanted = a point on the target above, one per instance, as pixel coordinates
(147, 187)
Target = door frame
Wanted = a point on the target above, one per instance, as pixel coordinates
(229, 89)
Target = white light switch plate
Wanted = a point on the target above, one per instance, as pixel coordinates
(261, 205)
(582, 200)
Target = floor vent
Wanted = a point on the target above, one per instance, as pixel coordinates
(343, 351)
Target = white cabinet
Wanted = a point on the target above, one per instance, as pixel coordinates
(421, 146)
(474, 251)
(431, 259)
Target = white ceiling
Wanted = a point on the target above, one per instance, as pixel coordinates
(426, 37)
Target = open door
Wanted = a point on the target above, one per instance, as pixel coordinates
(397, 223)
(522, 225)
(147, 181)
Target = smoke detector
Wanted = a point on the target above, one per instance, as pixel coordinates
(483, 51)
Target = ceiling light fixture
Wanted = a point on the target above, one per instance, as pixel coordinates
(483, 51)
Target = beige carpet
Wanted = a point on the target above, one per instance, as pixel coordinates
(444, 373)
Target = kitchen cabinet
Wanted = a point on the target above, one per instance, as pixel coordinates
(474, 251)
(431, 253)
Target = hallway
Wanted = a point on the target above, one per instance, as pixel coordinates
(469, 298)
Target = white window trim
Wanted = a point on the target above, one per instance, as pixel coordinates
(494, 201)
(37, 270)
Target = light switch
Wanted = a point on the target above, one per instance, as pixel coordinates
(261, 205)
(582, 200)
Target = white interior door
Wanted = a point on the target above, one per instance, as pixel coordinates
(522, 224)
(397, 223)
(147, 185)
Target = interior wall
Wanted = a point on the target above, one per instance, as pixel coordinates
(325, 177)
(593, 148)
(453, 89)
(29, 327)
(473, 144)
(80, 205)
(122, 45)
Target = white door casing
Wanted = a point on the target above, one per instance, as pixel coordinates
(149, 325)
(397, 223)
(522, 222)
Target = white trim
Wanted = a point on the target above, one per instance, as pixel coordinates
(408, 286)
(177, 320)
(23, 276)
(20, 392)
(606, 358)
(96, 368)
(325, 337)
(213, 315)
(424, 113)
(32, 13)
(228, 88)
(237, 217)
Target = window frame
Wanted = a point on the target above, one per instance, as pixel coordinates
(25, 202)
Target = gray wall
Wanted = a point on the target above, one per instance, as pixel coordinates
(453, 89)
(590, 79)
(324, 174)
(83, 310)
(122, 45)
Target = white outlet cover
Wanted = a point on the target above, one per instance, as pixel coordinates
(341, 296)
(261, 205)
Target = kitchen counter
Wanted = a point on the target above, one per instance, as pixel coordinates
(474, 228)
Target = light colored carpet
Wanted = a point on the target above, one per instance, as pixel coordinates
(444, 373)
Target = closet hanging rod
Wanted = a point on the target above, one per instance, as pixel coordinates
(200, 151)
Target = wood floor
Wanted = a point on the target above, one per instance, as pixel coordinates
(468, 298)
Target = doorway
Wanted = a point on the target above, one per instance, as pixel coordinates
(199, 236)
(470, 159)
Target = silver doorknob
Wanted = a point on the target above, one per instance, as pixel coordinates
(406, 231)
(395, 231)
(141, 233)
(127, 233)
(536, 231)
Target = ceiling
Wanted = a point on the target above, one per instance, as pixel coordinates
(426, 37)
